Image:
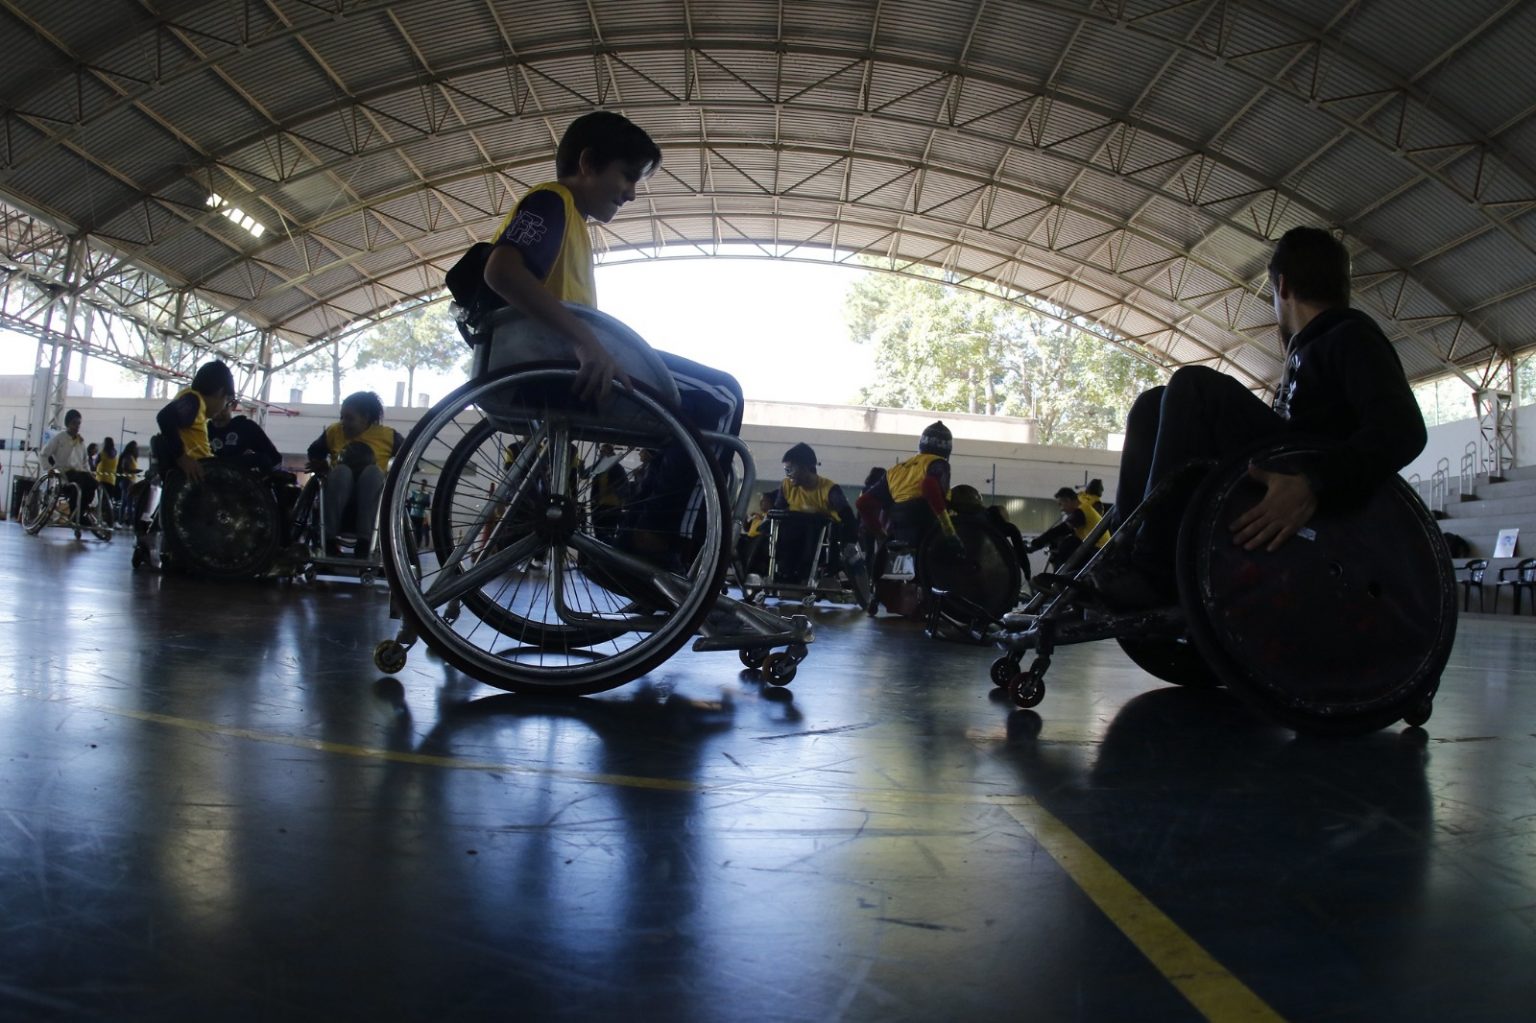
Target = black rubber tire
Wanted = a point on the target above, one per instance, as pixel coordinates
(225, 527)
(1170, 661)
(1345, 629)
(498, 668)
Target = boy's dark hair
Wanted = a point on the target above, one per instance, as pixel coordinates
(609, 137)
(72, 415)
(1066, 494)
(367, 403)
(801, 454)
(109, 445)
(1095, 487)
(874, 476)
(213, 377)
(1315, 265)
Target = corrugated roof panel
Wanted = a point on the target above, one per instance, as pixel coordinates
(925, 27)
(1368, 25)
(734, 19)
(1099, 47)
(282, 79)
(1420, 220)
(1492, 79)
(1188, 102)
(1481, 269)
(835, 22)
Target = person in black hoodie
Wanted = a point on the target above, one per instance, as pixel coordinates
(242, 440)
(1343, 382)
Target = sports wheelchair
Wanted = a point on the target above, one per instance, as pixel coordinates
(805, 562)
(1343, 630)
(515, 587)
(228, 525)
(307, 554)
(54, 500)
(960, 594)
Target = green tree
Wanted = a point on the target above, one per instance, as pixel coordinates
(424, 338)
(950, 350)
(330, 361)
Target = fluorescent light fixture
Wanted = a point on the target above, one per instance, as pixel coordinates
(236, 214)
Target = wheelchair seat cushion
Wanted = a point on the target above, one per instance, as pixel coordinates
(518, 339)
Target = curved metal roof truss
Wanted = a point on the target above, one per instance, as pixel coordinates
(1129, 161)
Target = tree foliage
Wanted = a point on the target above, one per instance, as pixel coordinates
(330, 361)
(945, 349)
(424, 338)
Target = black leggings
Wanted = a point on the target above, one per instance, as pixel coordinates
(1199, 414)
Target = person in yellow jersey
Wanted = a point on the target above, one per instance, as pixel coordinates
(106, 469)
(1078, 517)
(353, 455)
(914, 497)
(542, 259)
(806, 490)
(182, 442)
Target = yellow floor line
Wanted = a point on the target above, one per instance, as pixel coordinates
(1209, 986)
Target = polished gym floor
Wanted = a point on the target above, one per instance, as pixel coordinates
(212, 807)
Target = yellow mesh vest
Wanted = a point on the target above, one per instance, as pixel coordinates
(194, 438)
(571, 278)
(810, 499)
(905, 479)
(379, 438)
(1091, 517)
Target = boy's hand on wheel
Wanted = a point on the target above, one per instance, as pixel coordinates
(595, 373)
(190, 466)
(1288, 504)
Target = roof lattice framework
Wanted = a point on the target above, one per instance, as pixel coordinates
(1126, 160)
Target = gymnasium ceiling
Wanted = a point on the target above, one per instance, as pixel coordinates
(1129, 161)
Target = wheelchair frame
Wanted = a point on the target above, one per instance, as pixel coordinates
(1178, 643)
(809, 588)
(431, 613)
(313, 564)
(53, 483)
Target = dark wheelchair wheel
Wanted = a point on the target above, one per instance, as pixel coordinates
(475, 460)
(517, 589)
(39, 503)
(1345, 629)
(984, 581)
(225, 526)
(1171, 661)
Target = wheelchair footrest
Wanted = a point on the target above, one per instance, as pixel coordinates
(1157, 623)
(737, 626)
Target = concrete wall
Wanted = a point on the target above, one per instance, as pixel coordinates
(1450, 440)
(848, 442)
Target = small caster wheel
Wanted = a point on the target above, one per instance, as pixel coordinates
(310, 574)
(77, 534)
(1003, 671)
(1420, 712)
(753, 656)
(779, 669)
(366, 576)
(389, 656)
(451, 612)
(797, 652)
(140, 558)
(1026, 690)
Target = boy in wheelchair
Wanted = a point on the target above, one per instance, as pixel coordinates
(352, 456)
(799, 540)
(911, 499)
(542, 258)
(1078, 517)
(1343, 383)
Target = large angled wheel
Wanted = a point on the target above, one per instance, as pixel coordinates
(1171, 660)
(40, 501)
(225, 526)
(982, 582)
(516, 589)
(1343, 630)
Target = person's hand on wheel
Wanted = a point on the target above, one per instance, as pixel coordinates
(191, 467)
(596, 370)
(1288, 504)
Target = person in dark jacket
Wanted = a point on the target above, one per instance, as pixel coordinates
(240, 439)
(1343, 383)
